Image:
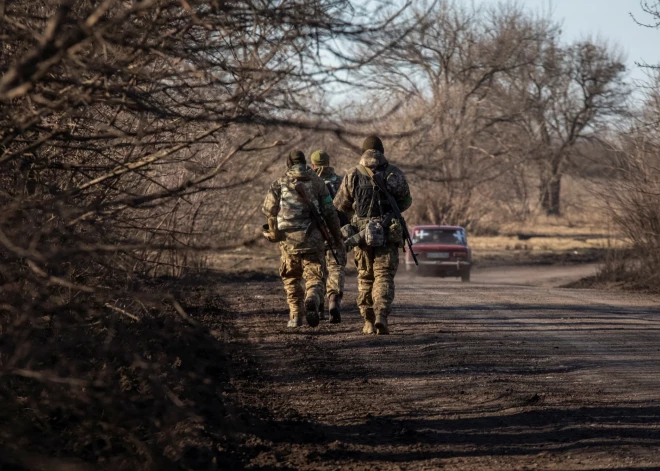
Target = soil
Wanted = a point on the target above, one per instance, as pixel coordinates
(506, 372)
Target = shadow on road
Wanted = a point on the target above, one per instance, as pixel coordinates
(401, 439)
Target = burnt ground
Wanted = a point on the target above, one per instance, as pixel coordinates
(507, 372)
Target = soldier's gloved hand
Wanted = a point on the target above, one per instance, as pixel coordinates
(341, 254)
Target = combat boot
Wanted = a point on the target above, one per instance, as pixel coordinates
(334, 306)
(312, 311)
(294, 321)
(369, 318)
(381, 325)
(322, 311)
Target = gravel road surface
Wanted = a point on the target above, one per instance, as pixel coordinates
(506, 372)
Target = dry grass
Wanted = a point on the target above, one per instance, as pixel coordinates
(499, 245)
(585, 227)
(547, 236)
(262, 258)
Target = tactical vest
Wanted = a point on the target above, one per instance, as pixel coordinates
(294, 214)
(369, 200)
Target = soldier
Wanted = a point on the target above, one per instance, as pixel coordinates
(377, 255)
(291, 222)
(335, 271)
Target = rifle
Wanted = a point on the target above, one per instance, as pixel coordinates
(318, 219)
(378, 180)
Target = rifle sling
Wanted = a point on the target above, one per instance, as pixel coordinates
(317, 216)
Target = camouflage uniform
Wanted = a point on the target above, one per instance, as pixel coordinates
(303, 247)
(335, 271)
(376, 265)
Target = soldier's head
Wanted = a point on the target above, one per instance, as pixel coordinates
(320, 158)
(373, 143)
(295, 157)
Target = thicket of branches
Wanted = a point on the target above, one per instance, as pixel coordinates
(633, 195)
(131, 131)
(495, 100)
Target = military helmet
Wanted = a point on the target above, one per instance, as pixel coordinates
(320, 158)
(295, 157)
(373, 142)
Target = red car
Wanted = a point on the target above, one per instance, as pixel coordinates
(441, 251)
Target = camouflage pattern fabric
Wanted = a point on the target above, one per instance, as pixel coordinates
(336, 274)
(293, 217)
(336, 271)
(302, 276)
(303, 250)
(376, 268)
(396, 182)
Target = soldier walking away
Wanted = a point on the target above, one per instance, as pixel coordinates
(301, 218)
(335, 271)
(368, 194)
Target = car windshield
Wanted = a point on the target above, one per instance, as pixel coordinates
(439, 236)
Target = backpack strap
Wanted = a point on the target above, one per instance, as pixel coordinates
(366, 171)
(369, 173)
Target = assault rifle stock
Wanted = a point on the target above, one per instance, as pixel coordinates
(318, 219)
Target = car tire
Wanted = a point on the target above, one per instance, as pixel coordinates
(465, 276)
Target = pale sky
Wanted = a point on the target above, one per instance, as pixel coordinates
(608, 19)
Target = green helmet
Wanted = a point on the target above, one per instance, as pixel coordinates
(320, 158)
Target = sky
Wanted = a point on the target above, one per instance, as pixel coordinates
(607, 19)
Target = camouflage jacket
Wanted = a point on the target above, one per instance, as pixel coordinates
(348, 199)
(293, 214)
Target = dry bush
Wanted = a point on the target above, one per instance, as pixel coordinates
(634, 202)
(633, 196)
(134, 136)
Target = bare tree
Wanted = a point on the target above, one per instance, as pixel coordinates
(455, 73)
(574, 93)
(496, 100)
(133, 134)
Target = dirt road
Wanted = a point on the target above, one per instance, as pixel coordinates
(507, 372)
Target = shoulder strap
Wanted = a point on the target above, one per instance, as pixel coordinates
(368, 172)
(365, 171)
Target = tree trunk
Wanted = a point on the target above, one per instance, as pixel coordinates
(550, 196)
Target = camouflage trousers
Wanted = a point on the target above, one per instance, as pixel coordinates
(297, 270)
(376, 269)
(334, 281)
